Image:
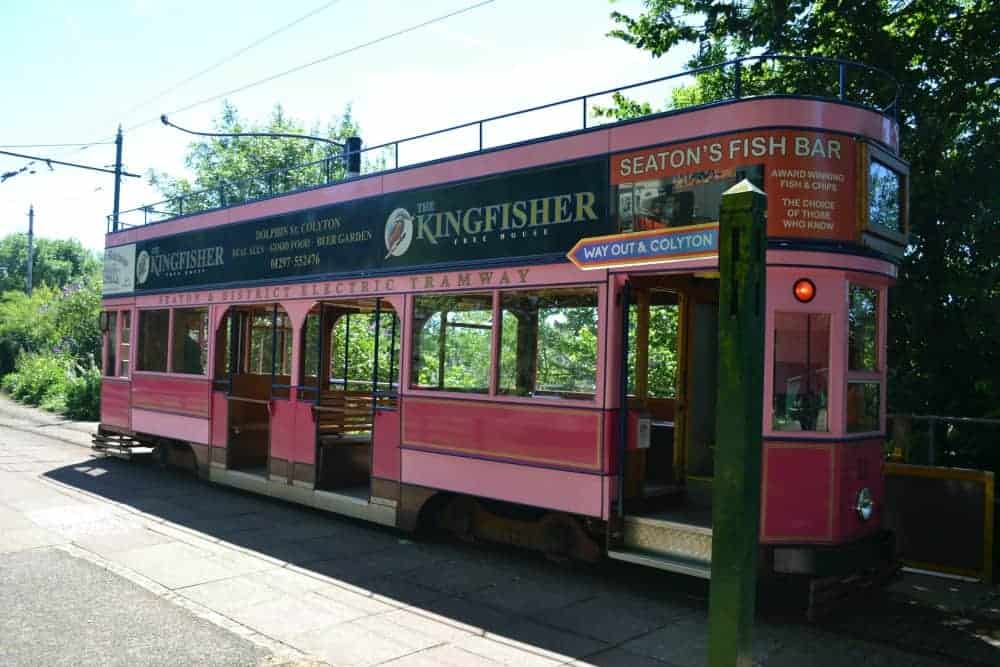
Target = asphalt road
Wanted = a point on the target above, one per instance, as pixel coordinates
(107, 562)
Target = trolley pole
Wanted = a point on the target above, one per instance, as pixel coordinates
(736, 492)
(31, 245)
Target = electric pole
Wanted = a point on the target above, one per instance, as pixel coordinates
(31, 243)
(118, 178)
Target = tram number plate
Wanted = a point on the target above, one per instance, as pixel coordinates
(642, 434)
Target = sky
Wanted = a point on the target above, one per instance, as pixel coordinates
(72, 72)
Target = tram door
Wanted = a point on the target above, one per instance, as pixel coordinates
(354, 362)
(255, 358)
(672, 380)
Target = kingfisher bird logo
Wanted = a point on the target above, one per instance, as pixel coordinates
(142, 267)
(398, 232)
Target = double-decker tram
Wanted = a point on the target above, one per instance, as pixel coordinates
(520, 343)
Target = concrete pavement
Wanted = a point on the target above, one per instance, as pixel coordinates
(185, 572)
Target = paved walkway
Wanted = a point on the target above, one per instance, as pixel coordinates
(174, 570)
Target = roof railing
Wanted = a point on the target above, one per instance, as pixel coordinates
(836, 80)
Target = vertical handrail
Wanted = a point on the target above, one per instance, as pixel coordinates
(347, 348)
(626, 296)
(842, 78)
(378, 325)
(274, 345)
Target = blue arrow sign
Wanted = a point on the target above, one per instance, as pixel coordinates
(658, 245)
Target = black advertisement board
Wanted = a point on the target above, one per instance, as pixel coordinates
(516, 215)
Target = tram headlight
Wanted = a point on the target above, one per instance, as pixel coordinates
(865, 504)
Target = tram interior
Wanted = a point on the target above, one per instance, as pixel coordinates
(350, 366)
(254, 360)
(673, 376)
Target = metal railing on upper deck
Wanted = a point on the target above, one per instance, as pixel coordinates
(740, 78)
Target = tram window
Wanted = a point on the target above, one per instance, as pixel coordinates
(863, 405)
(355, 335)
(111, 343)
(883, 196)
(154, 325)
(190, 341)
(125, 344)
(310, 356)
(452, 338)
(661, 347)
(862, 336)
(801, 371)
(548, 343)
(352, 347)
(261, 359)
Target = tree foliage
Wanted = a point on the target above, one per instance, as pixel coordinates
(230, 170)
(943, 338)
(58, 262)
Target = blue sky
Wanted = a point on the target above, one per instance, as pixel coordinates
(72, 71)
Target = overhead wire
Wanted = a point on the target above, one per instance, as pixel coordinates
(223, 61)
(317, 61)
(298, 68)
(92, 143)
(233, 56)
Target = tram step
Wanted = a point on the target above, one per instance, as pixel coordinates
(694, 568)
(670, 539)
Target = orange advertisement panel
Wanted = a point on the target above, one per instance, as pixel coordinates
(809, 177)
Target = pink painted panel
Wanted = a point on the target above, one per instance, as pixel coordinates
(220, 419)
(171, 393)
(577, 493)
(115, 402)
(755, 113)
(828, 259)
(119, 302)
(547, 436)
(304, 447)
(797, 495)
(179, 427)
(385, 454)
(282, 429)
(859, 465)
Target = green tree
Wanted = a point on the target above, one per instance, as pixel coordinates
(944, 345)
(58, 262)
(236, 169)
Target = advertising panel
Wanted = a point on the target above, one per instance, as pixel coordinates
(809, 178)
(119, 270)
(527, 214)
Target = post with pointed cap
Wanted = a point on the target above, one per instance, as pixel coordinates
(736, 482)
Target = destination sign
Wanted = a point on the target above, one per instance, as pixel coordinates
(532, 213)
(637, 248)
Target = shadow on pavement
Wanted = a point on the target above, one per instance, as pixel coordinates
(567, 608)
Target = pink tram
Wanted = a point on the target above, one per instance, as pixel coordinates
(520, 343)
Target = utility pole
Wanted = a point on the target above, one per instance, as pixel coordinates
(738, 428)
(118, 178)
(31, 243)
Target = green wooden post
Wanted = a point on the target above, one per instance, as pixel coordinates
(736, 484)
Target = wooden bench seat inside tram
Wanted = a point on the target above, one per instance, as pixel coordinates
(344, 439)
